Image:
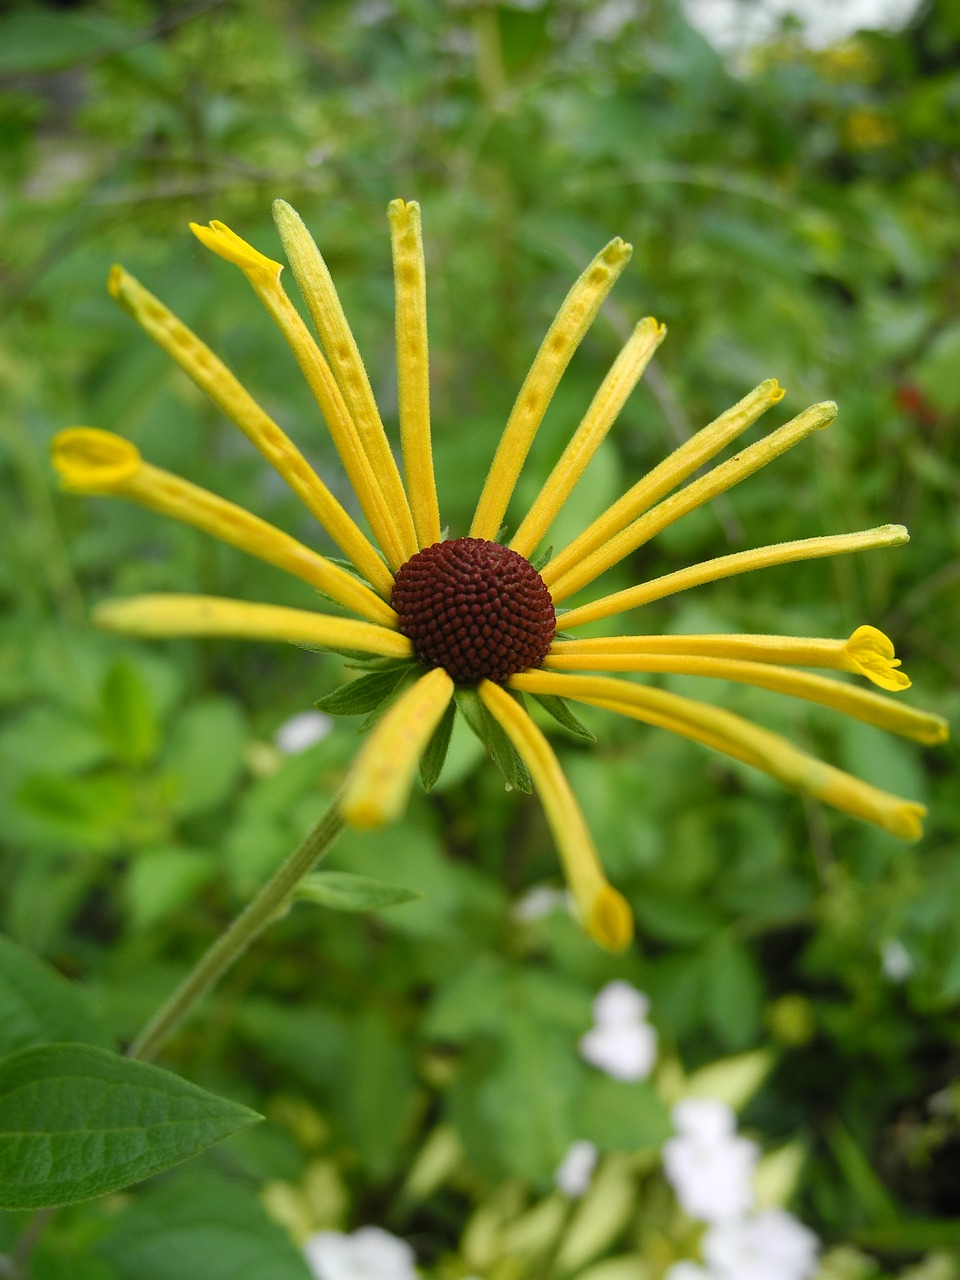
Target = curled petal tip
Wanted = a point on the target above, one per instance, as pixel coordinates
(115, 280)
(872, 653)
(610, 920)
(776, 391)
(362, 812)
(907, 821)
(227, 244)
(93, 461)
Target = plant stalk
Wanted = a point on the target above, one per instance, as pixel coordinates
(270, 903)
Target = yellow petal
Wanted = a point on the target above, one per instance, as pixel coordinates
(346, 363)
(378, 787)
(695, 494)
(603, 912)
(861, 704)
(576, 314)
(736, 737)
(887, 535)
(229, 395)
(323, 386)
(227, 244)
(187, 615)
(871, 653)
(624, 375)
(666, 475)
(94, 461)
(413, 380)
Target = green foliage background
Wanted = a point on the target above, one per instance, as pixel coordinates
(794, 216)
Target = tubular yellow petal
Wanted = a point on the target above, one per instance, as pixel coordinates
(735, 736)
(868, 652)
(99, 462)
(574, 318)
(695, 494)
(228, 394)
(377, 790)
(624, 375)
(604, 913)
(413, 372)
(871, 653)
(89, 460)
(322, 384)
(680, 464)
(887, 535)
(227, 244)
(861, 704)
(341, 350)
(186, 615)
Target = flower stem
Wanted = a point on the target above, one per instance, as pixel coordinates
(270, 903)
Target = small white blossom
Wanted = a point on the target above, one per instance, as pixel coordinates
(576, 1169)
(367, 1254)
(621, 1042)
(709, 1166)
(302, 731)
(540, 900)
(895, 960)
(772, 1245)
(619, 1002)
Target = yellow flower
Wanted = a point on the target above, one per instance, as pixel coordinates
(469, 621)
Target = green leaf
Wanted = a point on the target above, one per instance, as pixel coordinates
(621, 1116)
(366, 694)
(128, 717)
(498, 746)
(375, 1093)
(345, 891)
(558, 708)
(205, 758)
(734, 990)
(161, 880)
(77, 1122)
(432, 760)
(201, 1227)
(38, 1006)
(45, 40)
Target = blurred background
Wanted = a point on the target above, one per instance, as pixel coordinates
(790, 186)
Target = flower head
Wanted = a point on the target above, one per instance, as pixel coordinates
(621, 1042)
(709, 1166)
(471, 624)
(368, 1254)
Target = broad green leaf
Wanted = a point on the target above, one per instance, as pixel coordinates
(40, 39)
(128, 716)
(201, 1227)
(345, 891)
(621, 1116)
(375, 1093)
(432, 760)
(77, 1121)
(161, 880)
(734, 990)
(38, 1006)
(205, 757)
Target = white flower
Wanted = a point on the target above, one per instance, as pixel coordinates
(895, 960)
(302, 731)
(708, 1165)
(540, 900)
(771, 1245)
(368, 1254)
(619, 1002)
(576, 1169)
(620, 1043)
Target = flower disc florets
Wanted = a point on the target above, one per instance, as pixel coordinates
(475, 608)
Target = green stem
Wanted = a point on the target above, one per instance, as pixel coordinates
(270, 902)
